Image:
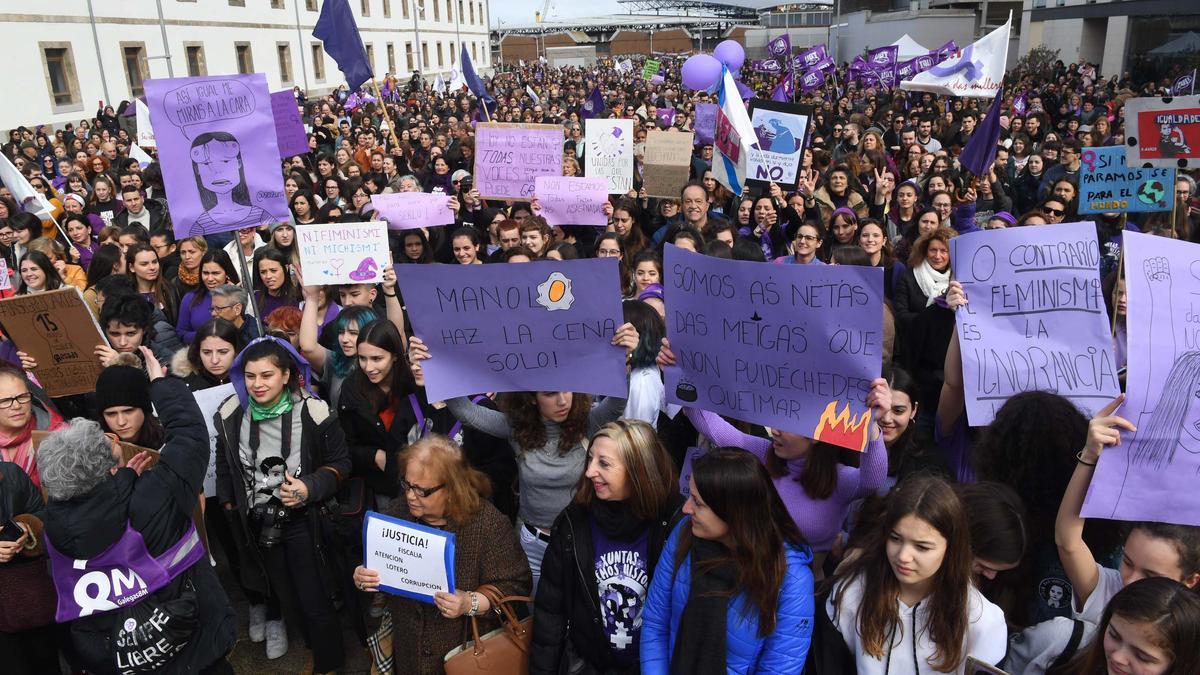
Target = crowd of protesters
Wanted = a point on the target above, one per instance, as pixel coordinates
(940, 543)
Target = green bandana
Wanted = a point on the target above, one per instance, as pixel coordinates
(259, 412)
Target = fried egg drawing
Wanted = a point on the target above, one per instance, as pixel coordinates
(555, 292)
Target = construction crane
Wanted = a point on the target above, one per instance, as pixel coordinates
(541, 16)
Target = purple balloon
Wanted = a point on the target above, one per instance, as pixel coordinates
(731, 54)
(700, 71)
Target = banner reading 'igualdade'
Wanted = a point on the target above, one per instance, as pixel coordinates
(217, 145)
(794, 347)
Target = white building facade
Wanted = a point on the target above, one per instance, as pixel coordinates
(63, 57)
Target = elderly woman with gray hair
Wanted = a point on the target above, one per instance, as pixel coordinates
(125, 557)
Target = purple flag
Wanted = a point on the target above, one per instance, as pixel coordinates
(783, 92)
(1151, 474)
(883, 57)
(809, 57)
(806, 378)
(593, 106)
(1184, 83)
(766, 66)
(780, 47)
(1021, 104)
(811, 81)
(219, 156)
(858, 65)
(906, 69)
(980, 150)
(665, 116)
(544, 327)
(946, 51)
(706, 123)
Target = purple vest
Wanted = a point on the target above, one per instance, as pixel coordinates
(123, 575)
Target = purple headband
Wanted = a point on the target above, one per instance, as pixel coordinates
(651, 291)
(848, 212)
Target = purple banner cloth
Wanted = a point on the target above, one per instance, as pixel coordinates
(216, 144)
(542, 327)
(980, 151)
(1021, 104)
(809, 57)
(945, 51)
(794, 347)
(572, 200)
(665, 116)
(1036, 319)
(811, 81)
(883, 57)
(780, 47)
(766, 66)
(289, 129)
(410, 210)
(1184, 83)
(1151, 475)
(706, 123)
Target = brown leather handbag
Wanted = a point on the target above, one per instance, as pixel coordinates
(504, 651)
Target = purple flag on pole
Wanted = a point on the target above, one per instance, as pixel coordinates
(906, 69)
(780, 47)
(946, 51)
(811, 81)
(665, 116)
(883, 57)
(810, 57)
(858, 65)
(593, 106)
(1184, 83)
(339, 35)
(219, 156)
(784, 91)
(980, 150)
(1021, 104)
(766, 66)
(706, 123)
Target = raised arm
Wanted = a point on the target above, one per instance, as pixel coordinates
(310, 345)
(391, 301)
(185, 450)
(479, 418)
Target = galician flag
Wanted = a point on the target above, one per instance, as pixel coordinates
(732, 136)
(975, 70)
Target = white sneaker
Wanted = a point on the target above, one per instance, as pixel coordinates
(258, 623)
(277, 639)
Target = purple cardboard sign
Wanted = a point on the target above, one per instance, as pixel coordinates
(572, 201)
(706, 123)
(289, 128)
(794, 347)
(542, 327)
(509, 156)
(216, 144)
(410, 210)
(1151, 475)
(1036, 319)
(685, 472)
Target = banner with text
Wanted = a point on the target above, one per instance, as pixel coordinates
(58, 330)
(343, 253)
(289, 128)
(779, 129)
(1108, 185)
(668, 162)
(412, 560)
(508, 157)
(410, 210)
(1163, 132)
(572, 200)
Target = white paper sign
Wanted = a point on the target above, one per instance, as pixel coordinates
(209, 400)
(343, 253)
(609, 153)
(145, 132)
(410, 210)
(412, 560)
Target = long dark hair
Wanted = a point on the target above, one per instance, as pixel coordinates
(820, 475)
(651, 330)
(528, 429)
(932, 500)
(241, 193)
(289, 292)
(53, 280)
(383, 334)
(736, 487)
(220, 329)
(103, 261)
(274, 350)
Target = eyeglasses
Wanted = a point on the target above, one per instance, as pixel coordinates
(837, 130)
(806, 237)
(421, 492)
(20, 399)
(1052, 212)
(221, 308)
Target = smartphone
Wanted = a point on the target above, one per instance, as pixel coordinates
(11, 531)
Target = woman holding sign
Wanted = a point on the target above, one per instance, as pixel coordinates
(442, 490)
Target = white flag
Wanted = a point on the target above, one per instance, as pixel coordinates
(456, 80)
(30, 200)
(142, 157)
(439, 85)
(732, 136)
(145, 132)
(529, 90)
(977, 70)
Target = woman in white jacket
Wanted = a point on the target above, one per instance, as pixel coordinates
(907, 605)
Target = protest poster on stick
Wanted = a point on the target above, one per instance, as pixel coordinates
(289, 128)
(1151, 475)
(1163, 132)
(220, 160)
(543, 327)
(667, 163)
(609, 153)
(572, 200)
(779, 130)
(409, 210)
(413, 560)
(794, 347)
(58, 330)
(509, 156)
(1035, 320)
(1108, 185)
(145, 132)
(343, 253)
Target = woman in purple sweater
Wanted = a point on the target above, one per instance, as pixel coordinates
(815, 488)
(196, 307)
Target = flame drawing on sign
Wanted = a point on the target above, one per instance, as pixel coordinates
(839, 428)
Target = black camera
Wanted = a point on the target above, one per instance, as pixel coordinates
(271, 516)
(466, 184)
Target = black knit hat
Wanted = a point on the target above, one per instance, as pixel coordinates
(120, 386)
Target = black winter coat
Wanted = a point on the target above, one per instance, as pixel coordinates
(567, 606)
(159, 505)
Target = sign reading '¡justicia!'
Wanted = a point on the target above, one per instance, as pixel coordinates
(794, 347)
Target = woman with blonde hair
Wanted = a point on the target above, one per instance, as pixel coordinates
(626, 504)
(441, 489)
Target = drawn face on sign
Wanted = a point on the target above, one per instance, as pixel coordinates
(217, 162)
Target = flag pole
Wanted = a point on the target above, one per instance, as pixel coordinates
(386, 118)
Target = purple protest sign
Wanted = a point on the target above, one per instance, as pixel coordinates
(543, 327)
(706, 123)
(509, 156)
(410, 210)
(794, 347)
(1151, 475)
(289, 129)
(216, 144)
(572, 201)
(1036, 319)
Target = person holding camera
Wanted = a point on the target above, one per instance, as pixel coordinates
(280, 457)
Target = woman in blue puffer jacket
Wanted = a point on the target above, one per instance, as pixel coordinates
(733, 592)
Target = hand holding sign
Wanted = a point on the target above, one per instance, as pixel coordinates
(1104, 430)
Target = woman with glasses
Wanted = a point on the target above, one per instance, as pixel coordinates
(1054, 209)
(195, 310)
(805, 245)
(22, 413)
(441, 489)
(610, 245)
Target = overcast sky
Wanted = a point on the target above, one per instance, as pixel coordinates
(521, 11)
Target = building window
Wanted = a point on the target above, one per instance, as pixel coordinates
(460, 10)
(276, 4)
(391, 52)
(387, 9)
(438, 48)
(285, 62)
(310, 5)
(437, 15)
(136, 71)
(61, 80)
(366, 7)
(404, 8)
(481, 19)
(237, 3)
(195, 60)
(474, 51)
(408, 57)
(449, 10)
(450, 53)
(318, 57)
(244, 57)
(424, 54)
(471, 7)
(371, 57)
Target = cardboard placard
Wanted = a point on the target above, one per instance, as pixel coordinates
(58, 330)
(668, 162)
(508, 157)
(1163, 132)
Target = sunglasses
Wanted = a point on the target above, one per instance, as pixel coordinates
(1052, 212)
